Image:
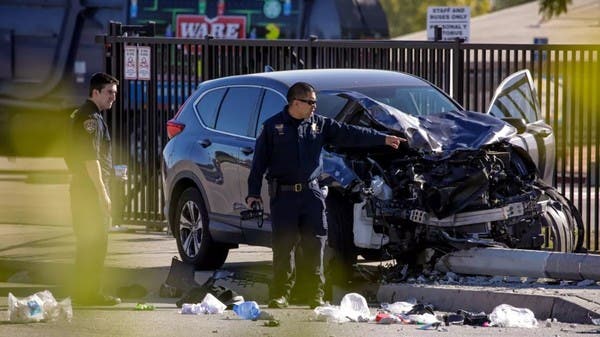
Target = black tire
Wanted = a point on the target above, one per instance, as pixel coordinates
(563, 222)
(341, 253)
(190, 228)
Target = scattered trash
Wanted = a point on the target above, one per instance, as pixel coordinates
(398, 308)
(595, 321)
(507, 316)
(354, 307)
(426, 318)
(271, 323)
(144, 307)
(209, 305)
(454, 319)
(330, 313)
(247, 310)
(474, 319)
(40, 306)
(385, 318)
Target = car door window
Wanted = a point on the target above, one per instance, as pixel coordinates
(237, 110)
(207, 106)
(516, 97)
(272, 103)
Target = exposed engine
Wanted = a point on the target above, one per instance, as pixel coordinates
(485, 197)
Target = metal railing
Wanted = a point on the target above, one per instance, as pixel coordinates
(567, 78)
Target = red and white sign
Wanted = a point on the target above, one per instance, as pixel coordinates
(221, 27)
(130, 61)
(144, 63)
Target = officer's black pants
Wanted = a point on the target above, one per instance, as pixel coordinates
(299, 221)
(91, 234)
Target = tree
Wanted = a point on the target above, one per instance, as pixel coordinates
(550, 8)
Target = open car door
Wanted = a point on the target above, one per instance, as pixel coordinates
(515, 102)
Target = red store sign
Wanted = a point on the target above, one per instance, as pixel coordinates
(221, 27)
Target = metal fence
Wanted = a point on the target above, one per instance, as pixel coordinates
(567, 78)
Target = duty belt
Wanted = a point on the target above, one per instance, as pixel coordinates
(295, 187)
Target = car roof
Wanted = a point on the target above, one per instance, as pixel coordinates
(327, 79)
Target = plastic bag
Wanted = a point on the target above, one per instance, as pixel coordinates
(41, 306)
(354, 307)
(211, 305)
(398, 308)
(506, 315)
(330, 313)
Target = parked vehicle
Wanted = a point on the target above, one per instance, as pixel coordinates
(463, 179)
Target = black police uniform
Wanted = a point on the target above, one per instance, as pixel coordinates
(289, 151)
(89, 140)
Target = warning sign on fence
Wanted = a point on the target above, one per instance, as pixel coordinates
(130, 61)
(137, 63)
(144, 63)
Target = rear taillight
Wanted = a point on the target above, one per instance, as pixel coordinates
(174, 128)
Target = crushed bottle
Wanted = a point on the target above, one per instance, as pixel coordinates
(247, 310)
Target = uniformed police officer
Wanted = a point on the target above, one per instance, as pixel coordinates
(288, 149)
(89, 159)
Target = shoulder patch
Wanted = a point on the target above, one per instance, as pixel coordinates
(90, 125)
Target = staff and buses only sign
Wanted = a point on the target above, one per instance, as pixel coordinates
(455, 22)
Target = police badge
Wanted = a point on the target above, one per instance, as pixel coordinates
(90, 125)
(279, 128)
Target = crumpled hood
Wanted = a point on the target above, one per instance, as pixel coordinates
(438, 136)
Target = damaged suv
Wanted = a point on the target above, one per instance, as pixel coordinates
(463, 179)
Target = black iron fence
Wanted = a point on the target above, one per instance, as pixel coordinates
(567, 78)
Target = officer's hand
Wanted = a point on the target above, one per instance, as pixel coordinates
(393, 141)
(251, 200)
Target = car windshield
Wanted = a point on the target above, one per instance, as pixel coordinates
(416, 100)
(412, 100)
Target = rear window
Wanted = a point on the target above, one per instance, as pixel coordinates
(208, 105)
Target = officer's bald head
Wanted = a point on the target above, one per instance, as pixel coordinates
(299, 90)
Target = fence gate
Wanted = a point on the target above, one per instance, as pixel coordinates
(567, 78)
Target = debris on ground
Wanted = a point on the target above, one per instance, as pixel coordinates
(41, 306)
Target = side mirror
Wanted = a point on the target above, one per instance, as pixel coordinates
(517, 122)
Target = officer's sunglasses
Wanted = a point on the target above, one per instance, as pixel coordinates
(307, 101)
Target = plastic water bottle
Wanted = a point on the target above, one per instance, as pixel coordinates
(247, 310)
(191, 309)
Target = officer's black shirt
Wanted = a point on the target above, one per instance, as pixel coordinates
(89, 139)
(289, 150)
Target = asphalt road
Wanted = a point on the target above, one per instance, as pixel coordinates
(36, 253)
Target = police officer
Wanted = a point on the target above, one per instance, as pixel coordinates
(90, 161)
(288, 149)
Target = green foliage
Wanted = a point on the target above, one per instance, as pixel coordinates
(550, 8)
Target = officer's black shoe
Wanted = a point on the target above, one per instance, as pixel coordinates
(316, 302)
(278, 303)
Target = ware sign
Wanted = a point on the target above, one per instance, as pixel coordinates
(221, 27)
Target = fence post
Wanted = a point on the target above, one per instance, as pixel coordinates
(311, 51)
(458, 67)
(207, 63)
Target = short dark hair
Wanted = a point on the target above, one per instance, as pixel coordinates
(99, 80)
(299, 90)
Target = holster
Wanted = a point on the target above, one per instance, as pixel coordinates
(273, 187)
